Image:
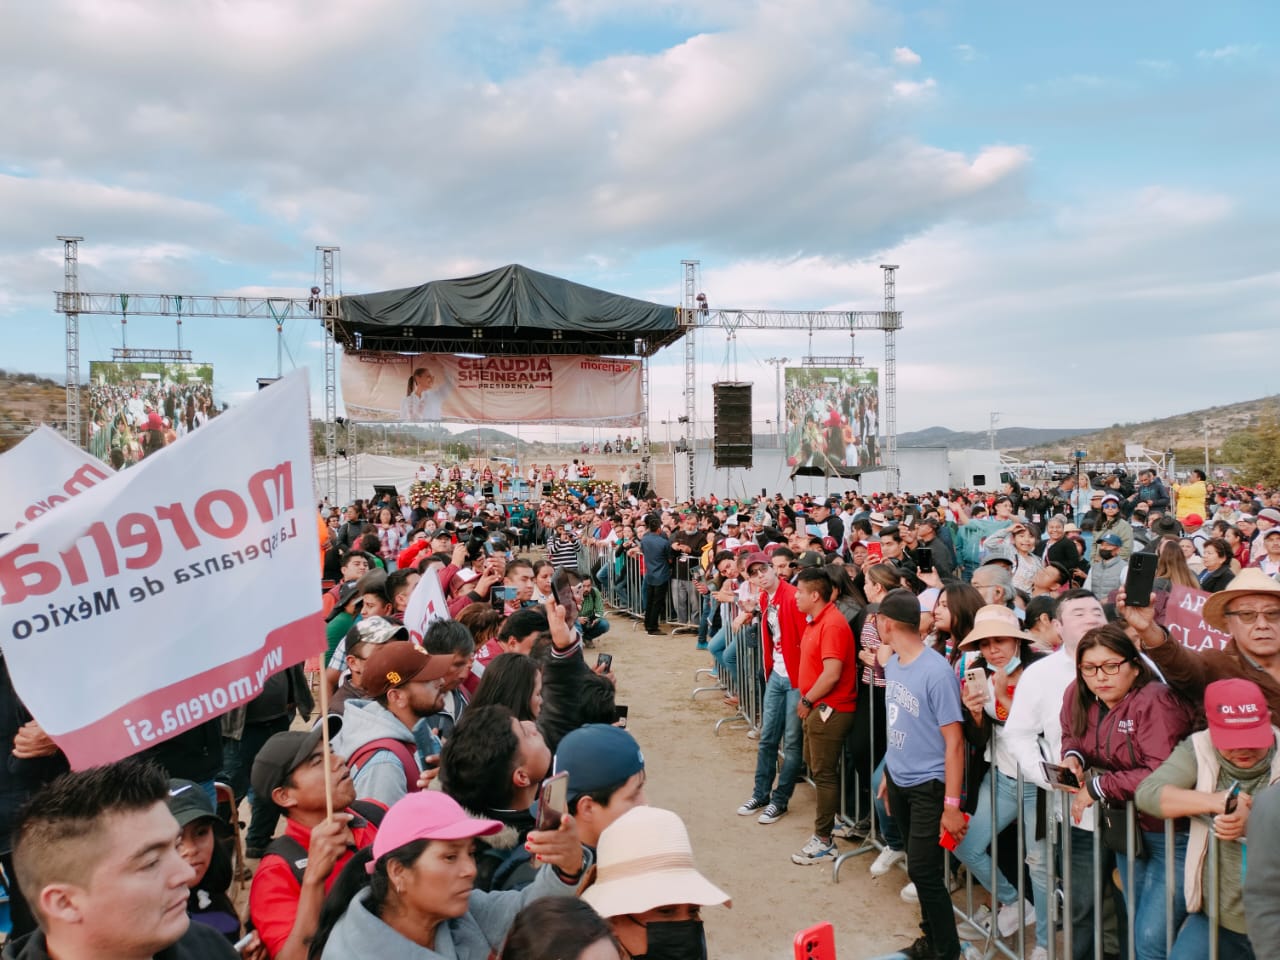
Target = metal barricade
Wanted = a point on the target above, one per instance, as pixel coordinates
(1061, 885)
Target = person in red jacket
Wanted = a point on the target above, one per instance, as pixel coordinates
(781, 626)
(290, 769)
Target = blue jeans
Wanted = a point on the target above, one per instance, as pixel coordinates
(704, 621)
(974, 850)
(1148, 895)
(1193, 942)
(725, 654)
(590, 632)
(780, 725)
(1083, 896)
(889, 831)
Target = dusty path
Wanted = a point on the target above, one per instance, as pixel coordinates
(704, 777)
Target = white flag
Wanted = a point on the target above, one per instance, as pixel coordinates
(42, 472)
(166, 594)
(426, 605)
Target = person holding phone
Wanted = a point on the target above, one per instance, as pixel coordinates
(415, 883)
(1119, 723)
(1035, 715)
(987, 693)
(1212, 777)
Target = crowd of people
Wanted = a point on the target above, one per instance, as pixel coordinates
(477, 794)
(979, 636)
(129, 421)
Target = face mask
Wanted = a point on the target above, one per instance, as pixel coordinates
(1106, 554)
(675, 940)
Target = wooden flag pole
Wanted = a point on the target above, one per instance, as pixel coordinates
(324, 747)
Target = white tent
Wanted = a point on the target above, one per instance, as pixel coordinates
(371, 470)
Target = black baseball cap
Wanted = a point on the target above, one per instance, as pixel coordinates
(188, 802)
(283, 753)
(901, 605)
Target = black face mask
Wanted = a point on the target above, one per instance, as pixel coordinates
(675, 940)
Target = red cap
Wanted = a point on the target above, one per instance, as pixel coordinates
(751, 559)
(1238, 716)
(1193, 520)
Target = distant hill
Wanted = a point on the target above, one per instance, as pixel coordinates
(26, 401)
(1184, 433)
(1006, 437)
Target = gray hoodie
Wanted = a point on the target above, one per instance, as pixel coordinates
(381, 776)
(476, 935)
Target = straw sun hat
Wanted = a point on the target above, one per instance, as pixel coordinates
(1247, 581)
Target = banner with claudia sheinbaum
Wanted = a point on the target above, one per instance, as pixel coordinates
(429, 387)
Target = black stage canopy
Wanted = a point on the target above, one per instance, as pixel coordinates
(510, 310)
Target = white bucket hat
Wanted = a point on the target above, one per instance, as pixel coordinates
(644, 860)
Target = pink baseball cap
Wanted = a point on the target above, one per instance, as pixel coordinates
(427, 815)
(1238, 716)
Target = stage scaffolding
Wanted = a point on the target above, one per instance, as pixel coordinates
(325, 304)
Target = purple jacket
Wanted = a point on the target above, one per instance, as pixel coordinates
(1125, 744)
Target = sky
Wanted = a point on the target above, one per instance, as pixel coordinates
(1082, 198)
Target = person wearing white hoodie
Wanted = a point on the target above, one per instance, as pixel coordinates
(1036, 714)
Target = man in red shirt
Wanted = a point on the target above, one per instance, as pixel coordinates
(781, 626)
(290, 770)
(828, 694)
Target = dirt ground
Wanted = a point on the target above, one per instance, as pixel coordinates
(705, 777)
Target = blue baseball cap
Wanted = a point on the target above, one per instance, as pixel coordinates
(1111, 540)
(598, 756)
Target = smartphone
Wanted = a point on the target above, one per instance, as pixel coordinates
(875, 552)
(947, 840)
(924, 559)
(816, 943)
(553, 801)
(825, 710)
(1233, 797)
(562, 589)
(1140, 579)
(1060, 778)
(620, 714)
(604, 660)
(976, 676)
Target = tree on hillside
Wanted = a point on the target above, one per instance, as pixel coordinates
(1256, 450)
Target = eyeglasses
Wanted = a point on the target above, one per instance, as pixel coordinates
(1249, 617)
(1110, 668)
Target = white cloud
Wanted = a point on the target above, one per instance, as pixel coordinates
(914, 90)
(1229, 53)
(906, 57)
(966, 52)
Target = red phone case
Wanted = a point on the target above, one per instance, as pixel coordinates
(816, 943)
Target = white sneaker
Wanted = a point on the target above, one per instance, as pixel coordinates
(885, 862)
(1040, 953)
(910, 894)
(977, 927)
(1010, 920)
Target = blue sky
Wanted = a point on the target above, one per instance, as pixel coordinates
(1072, 192)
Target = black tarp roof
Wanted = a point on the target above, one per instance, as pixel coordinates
(510, 310)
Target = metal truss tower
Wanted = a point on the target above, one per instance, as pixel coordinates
(888, 320)
(71, 295)
(70, 302)
(691, 306)
(891, 324)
